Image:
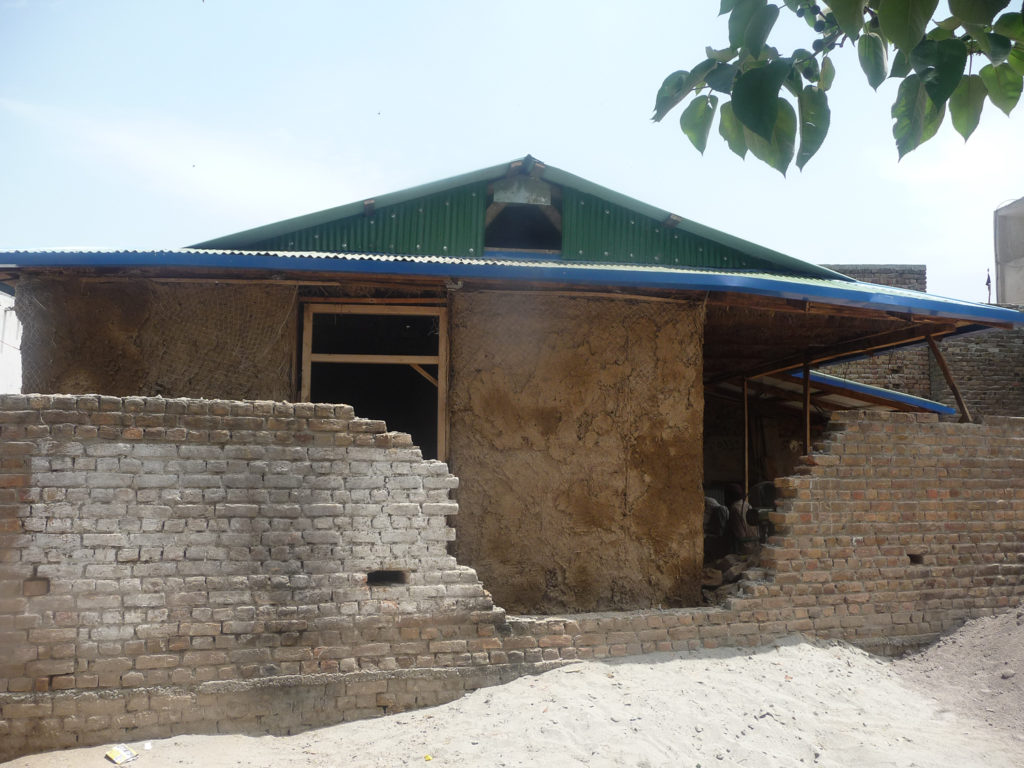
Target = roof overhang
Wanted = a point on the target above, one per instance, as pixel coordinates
(800, 293)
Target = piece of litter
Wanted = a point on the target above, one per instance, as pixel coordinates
(427, 757)
(121, 754)
(148, 745)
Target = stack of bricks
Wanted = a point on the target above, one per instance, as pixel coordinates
(187, 566)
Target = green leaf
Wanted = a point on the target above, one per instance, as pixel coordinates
(731, 129)
(917, 117)
(938, 33)
(739, 19)
(776, 151)
(904, 21)
(950, 62)
(755, 97)
(726, 6)
(966, 103)
(814, 122)
(900, 66)
(873, 58)
(999, 47)
(977, 11)
(696, 78)
(949, 24)
(721, 78)
(849, 16)
(760, 26)
(696, 120)
(980, 37)
(671, 93)
(1010, 25)
(807, 64)
(793, 83)
(724, 54)
(828, 73)
(1016, 61)
(1004, 85)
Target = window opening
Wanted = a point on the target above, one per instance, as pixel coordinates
(387, 362)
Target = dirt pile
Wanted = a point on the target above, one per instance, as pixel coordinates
(794, 703)
(977, 670)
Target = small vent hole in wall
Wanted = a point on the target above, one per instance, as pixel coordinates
(386, 578)
(916, 559)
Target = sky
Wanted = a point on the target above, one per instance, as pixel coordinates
(162, 123)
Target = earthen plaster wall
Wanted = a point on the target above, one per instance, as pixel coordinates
(144, 337)
(576, 433)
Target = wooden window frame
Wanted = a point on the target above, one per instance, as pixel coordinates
(416, 362)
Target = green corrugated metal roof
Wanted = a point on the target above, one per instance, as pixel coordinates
(447, 218)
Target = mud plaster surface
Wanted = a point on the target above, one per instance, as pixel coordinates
(576, 429)
(139, 337)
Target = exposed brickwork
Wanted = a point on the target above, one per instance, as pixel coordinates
(902, 527)
(905, 370)
(911, 276)
(988, 367)
(150, 542)
(172, 566)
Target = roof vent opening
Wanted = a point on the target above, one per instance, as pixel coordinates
(524, 215)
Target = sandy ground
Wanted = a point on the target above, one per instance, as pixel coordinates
(960, 703)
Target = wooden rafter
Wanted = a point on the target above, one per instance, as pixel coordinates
(817, 355)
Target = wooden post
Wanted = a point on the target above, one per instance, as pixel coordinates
(746, 442)
(965, 415)
(807, 408)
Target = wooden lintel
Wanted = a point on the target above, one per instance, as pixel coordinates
(965, 414)
(431, 302)
(332, 308)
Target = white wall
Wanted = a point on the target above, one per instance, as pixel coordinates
(10, 342)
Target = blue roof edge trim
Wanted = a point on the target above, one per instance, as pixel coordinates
(857, 387)
(842, 293)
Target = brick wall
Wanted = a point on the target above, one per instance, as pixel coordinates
(988, 367)
(902, 527)
(150, 544)
(173, 566)
(905, 370)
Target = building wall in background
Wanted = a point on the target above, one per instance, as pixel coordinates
(10, 346)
